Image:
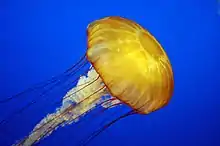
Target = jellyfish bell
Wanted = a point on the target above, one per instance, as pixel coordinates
(131, 63)
(128, 66)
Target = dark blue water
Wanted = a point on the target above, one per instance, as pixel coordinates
(40, 39)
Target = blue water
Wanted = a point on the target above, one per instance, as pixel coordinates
(40, 39)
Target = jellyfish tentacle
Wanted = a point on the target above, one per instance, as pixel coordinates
(89, 83)
(78, 62)
(54, 126)
(84, 98)
(112, 103)
(43, 84)
(98, 132)
(81, 102)
(42, 130)
(51, 120)
(108, 118)
(4, 121)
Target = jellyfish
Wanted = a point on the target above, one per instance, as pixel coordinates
(128, 67)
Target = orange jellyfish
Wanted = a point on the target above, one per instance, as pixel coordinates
(127, 63)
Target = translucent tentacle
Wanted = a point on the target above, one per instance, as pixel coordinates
(77, 102)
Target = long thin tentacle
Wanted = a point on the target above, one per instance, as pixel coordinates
(96, 133)
(44, 83)
(42, 94)
(52, 127)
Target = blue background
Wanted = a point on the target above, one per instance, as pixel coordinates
(42, 38)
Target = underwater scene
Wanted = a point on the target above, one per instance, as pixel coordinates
(104, 73)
